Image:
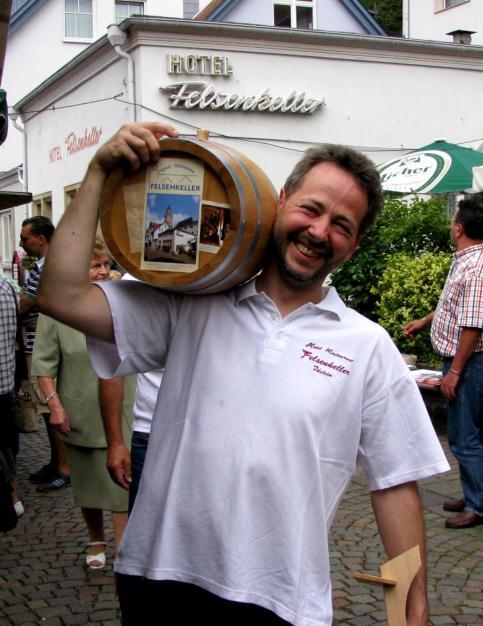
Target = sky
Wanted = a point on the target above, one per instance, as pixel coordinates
(183, 206)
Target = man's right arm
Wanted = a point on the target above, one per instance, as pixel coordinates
(65, 292)
(417, 326)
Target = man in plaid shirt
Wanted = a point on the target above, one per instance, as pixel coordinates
(456, 336)
(8, 331)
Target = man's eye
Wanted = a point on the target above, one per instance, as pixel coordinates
(345, 227)
(310, 209)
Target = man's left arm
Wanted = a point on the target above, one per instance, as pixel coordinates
(469, 338)
(25, 303)
(399, 517)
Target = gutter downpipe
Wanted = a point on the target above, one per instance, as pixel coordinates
(406, 21)
(24, 178)
(116, 38)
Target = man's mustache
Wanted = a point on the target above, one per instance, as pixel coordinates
(324, 248)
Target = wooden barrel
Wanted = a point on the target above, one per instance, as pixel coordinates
(197, 222)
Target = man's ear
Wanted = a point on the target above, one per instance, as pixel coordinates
(282, 196)
(353, 248)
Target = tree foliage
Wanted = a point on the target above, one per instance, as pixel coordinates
(410, 288)
(388, 13)
(413, 229)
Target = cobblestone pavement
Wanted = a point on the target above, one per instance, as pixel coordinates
(43, 580)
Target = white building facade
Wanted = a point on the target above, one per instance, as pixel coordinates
(46, 35)
(270, 93)
(435, 19)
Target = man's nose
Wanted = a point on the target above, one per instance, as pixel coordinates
(319, 228)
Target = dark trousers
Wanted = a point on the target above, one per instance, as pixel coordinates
(8, 434)
(169, 603)
(139, 447)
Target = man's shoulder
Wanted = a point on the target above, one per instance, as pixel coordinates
(471, 263)
(6, 288)
(365, 324)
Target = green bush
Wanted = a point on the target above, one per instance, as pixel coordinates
(414, 229)
(409, 289)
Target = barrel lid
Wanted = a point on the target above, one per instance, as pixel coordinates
(188, 221)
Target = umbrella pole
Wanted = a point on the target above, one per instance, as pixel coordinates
(396, 578)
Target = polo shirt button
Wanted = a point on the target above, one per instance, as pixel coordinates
(273, 316)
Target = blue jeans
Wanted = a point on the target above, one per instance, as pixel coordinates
(465, 433)
(139, 445)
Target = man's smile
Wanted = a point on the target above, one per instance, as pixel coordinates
(313, 250)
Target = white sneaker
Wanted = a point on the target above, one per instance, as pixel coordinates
(19, 510)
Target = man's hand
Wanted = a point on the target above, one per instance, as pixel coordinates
(119, 465)
(449, 384)
(59, 418)
(399, 518)
(415, 327)
(134, 144)
(25, 303)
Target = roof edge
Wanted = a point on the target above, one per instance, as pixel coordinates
(251, 32)
(23, 13)
(217, 9)
(364, 17)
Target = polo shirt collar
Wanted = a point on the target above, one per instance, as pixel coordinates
(331, 303)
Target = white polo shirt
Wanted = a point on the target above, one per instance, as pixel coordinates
(257, 430)
(147, 389)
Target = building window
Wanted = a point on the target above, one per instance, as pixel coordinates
(126, 9)
(42, 205)
(6, 249)
(294, 14)
(442, 5)
(78, 19)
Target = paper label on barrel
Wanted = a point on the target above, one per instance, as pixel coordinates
(215, 223)
(172, 215)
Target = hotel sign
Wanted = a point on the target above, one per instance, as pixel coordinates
(202, 95)
(74, 143)
(204, 64)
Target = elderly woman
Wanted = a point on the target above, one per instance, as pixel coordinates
(71, 389)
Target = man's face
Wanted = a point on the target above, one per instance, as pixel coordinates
(32, 244)
(455, 228)
(317, 227)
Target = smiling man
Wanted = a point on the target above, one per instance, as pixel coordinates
(271, 393)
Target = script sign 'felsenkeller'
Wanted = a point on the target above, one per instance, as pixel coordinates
(201, 95)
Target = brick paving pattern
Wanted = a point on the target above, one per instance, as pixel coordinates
(43, 580)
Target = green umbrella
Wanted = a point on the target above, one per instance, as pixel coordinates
(440, 167)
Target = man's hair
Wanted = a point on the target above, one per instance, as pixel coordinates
(40, 225)
(470, 216)
(353, 162)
